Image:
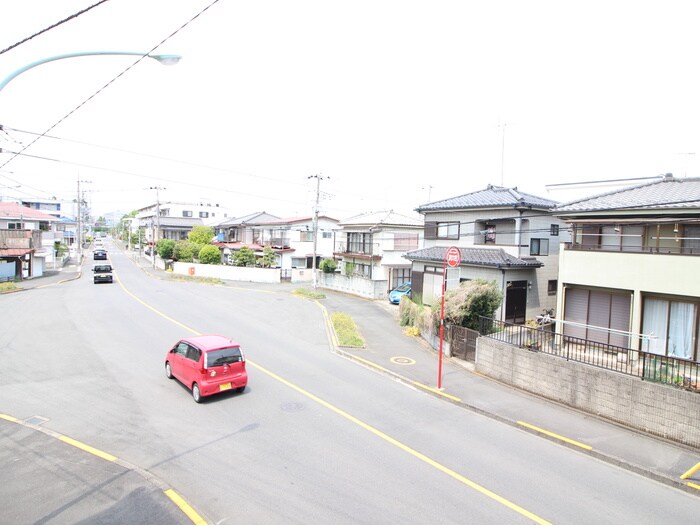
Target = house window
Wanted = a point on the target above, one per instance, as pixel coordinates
(359, 242)
(187, 213)
(327, 235)
(306, 236)
(405, 241)
(60, 227)
(554, 230)
(400, 276)
(552, 287)
(673, 323)
(14, 225)
(164, 212)
(203, 214)
(490, 235)
(448, 230)
(539, 246)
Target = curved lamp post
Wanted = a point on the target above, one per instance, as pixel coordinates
(166, 60)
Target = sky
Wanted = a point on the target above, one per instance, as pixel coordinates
(391, 104)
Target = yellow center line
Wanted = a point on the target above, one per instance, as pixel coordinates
(422, 457)
(8, 418)
(184, 507)
(556, 436)
(694, 485)
(88, 448)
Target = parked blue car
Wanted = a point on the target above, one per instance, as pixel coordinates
(397, 293)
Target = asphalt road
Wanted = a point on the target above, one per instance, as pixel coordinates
(313, 439)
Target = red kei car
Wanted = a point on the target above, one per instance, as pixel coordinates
(207, 365)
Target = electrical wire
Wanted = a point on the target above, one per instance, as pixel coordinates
(71, 17)
(100, 90)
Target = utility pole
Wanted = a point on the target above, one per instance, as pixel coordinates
(80, 221)
(157, 223)
(315, 227)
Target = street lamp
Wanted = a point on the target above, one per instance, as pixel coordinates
(166, 60)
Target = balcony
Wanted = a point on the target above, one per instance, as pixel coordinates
(665, 238)
(357, 250)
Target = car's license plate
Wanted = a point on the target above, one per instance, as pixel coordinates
(225, 386)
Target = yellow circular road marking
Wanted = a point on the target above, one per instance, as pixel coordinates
(399, 360)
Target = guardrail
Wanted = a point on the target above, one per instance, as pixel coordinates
(672, 371)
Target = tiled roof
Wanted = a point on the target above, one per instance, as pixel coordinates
(13, 210)
(15, 252)
(255, 218)
(667, 193)
(496, 258)
(382, 218)
(491, 197)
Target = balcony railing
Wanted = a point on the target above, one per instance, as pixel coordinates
(357, 249)
(666, 250)
(679, 373)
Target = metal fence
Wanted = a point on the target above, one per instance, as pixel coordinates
(672, 371)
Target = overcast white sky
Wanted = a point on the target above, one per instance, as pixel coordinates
(395, 103)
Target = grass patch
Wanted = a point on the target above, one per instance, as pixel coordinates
(207, 280)
(8, 287)
(309, 294)
(346, 330)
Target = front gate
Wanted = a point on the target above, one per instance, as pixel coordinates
(462, 342)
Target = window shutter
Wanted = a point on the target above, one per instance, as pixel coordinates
(430, 231)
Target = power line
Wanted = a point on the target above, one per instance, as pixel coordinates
(71, 17)
(84, 102)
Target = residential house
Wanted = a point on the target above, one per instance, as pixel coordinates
(22, 253)
(291, 239)
(175, 220)
(629, 275)
(370, 247)
(504, 235)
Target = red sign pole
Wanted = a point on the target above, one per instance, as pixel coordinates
(453, 258)
(442, 322)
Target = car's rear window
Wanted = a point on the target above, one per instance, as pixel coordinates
(224, 356)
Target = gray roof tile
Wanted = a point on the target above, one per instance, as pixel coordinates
(496, 258)
(667, 193)
(491, 197)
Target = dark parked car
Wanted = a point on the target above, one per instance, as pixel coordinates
(99, 255)
(103, 273)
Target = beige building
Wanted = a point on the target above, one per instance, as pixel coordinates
(629, 275)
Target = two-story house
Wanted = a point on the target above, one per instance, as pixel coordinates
(504, 235)
(371, 246)
(175, 220)
(629, 275)
(22, 254)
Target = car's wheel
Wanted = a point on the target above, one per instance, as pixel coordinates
(196, 394)
(240, 389)
(168, 371)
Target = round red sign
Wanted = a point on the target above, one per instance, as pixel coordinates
(453, 257)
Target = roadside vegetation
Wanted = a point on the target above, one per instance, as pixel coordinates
(346, 330)
(463, 307)
(308, 293)
(195, 279)
(8, 287)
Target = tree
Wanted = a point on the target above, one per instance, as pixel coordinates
(209, 254)
(244, 257)
(184, 251)
(201, 235)
(165, 248)
(465, 304)
(268, 258)
(327, 265)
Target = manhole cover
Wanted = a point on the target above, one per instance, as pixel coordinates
(292, 407)
(36, 420)
(402, 361)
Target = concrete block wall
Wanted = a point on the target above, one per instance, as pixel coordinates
(657, 409)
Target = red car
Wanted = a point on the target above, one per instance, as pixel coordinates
(207, 365)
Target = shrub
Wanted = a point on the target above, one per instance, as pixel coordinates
(327, 265)
(209, 254)
(465, 304)
(244, 257)
(184, 251)
(165, 248)
(201, 235)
